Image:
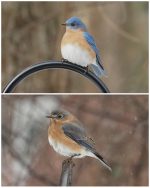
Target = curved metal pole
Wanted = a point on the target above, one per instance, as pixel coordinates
(54, 64)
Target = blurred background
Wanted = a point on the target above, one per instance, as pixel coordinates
(118, 124)
(32, 32)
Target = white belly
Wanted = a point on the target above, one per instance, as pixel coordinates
(75, 54)
(61, 149)
(65, 151)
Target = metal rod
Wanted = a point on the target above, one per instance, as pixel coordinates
(55, 64)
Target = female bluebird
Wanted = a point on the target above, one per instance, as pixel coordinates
(79, 47)
(68, 137)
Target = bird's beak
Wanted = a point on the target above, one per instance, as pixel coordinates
(51, 116)
(64, 24)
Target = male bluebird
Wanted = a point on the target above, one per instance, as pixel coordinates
(79, 47)
(68, 137)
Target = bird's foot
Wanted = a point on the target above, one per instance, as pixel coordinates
(64, 60)
(75, 155)
(68, 160)
(86, 70)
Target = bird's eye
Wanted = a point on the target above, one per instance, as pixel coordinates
(72, 24)
(60, 116)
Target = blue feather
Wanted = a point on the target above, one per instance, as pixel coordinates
(92, 43)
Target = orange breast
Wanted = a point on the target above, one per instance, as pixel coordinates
(56, 133)
(76, 37)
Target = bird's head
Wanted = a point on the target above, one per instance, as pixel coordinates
(61, 116)
(74, 23)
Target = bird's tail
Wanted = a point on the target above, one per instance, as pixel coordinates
(98, 71)
(100, 158)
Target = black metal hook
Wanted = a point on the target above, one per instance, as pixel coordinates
(55, 64)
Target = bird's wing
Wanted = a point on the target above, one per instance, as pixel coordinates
(92, 43)
(76, 133)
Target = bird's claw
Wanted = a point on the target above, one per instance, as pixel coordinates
(70, 158)
(86, 70)
(64, 60)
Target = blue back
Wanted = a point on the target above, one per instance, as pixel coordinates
(92, 43)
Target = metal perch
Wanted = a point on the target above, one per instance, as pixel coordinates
(66, 174)
(55, 64)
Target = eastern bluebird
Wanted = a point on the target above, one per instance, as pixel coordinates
(79, 47)
(67, 136)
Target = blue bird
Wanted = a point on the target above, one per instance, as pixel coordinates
(69, 138)
(79, 47)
